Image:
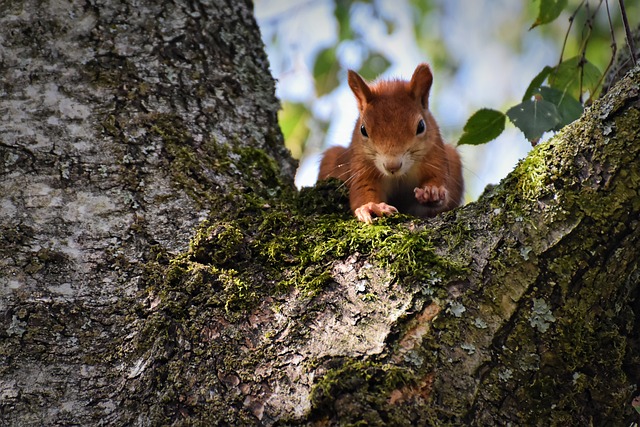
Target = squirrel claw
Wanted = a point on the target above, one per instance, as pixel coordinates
(431, 194)
(363, 213)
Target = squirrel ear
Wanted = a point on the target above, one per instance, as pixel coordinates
(420, 84)
(360, 89)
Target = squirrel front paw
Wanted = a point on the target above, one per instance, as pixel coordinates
(433, 194)
(363, 213)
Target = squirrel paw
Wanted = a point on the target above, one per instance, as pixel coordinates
(432, 194)
(363, 213)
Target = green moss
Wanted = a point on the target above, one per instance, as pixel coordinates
(238, 258)
(262, 172)
(533, 173)
(189, 166)
(241, 294)
(352, 375)
(364, 390)
(531, 179)
(572, 369)
(311, 281)
(328, 197)
(218, 244)
(403, 252)
(258, 250)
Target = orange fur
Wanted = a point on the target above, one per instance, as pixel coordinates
(397, 160)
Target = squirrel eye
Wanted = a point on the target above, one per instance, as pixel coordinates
(363, 131)
(421, 127)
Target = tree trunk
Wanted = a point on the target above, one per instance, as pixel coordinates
(125, 127)
(120, 123)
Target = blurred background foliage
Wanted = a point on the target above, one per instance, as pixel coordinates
(484, 55)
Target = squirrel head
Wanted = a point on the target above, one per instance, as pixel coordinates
(394, 126)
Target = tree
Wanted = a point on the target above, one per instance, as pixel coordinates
(125, 128)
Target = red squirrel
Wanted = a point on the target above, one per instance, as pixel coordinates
(397, 161)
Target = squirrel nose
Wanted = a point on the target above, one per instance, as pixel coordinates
(393, 166)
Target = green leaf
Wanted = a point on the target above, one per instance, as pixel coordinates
(483, 126)
(566, 77)
(549, 11)
(343, 16)
(534, 117)
(373, 66)
(568, 107)
(293, 119)
(389, 25)
(325, 71)
(536, 82)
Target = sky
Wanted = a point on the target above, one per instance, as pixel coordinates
(495, 58)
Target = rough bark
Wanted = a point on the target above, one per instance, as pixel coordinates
(623, 61)
(124, 127)
(114, 120)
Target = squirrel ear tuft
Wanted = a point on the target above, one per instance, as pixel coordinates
(420, 84)
(360, 89)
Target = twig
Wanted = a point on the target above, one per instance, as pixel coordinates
(627, 30)
(566, 36)
(586, 37)
(614, 50)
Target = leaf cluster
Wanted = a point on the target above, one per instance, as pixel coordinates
(554, 97)
(544, 107)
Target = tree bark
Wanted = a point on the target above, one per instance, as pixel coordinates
(119, 123)
(125, 127)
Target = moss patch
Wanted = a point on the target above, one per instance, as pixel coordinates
(250, 243)
(259, 250)
(365, 395)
